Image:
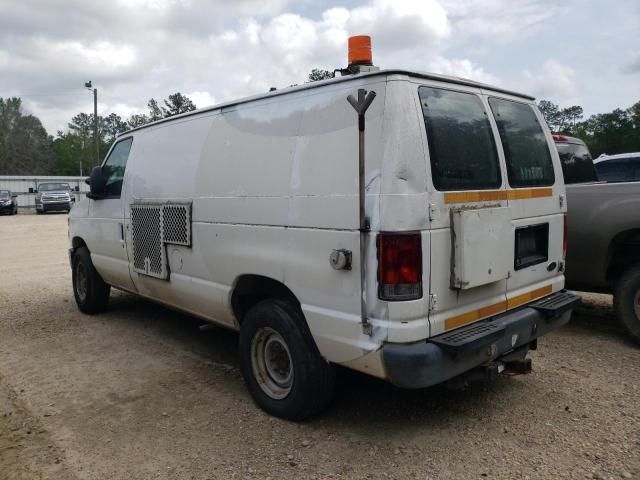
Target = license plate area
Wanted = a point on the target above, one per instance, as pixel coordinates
(532, 245)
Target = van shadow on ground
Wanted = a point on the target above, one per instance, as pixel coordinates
(358, 396)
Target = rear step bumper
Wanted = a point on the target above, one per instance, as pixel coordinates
(446, 356)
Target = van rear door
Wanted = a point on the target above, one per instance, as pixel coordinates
(470, 219)
(535, 193)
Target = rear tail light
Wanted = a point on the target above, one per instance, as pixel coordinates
(559, 138)
(399, 266)
(565, 237)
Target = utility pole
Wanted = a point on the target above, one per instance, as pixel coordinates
(95, 121)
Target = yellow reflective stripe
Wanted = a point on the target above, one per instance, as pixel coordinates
(469, 317)
(527, 297)
(460, 320)
(475, 196)
(493, 195)
(521, 194)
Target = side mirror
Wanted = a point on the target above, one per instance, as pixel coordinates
(31, 190)
(97, 183)
(76, 189)
(14, 195)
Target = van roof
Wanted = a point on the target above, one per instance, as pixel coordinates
(346, 78)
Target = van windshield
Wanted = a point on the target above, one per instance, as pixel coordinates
(525, 146)
(461, 144)
(50, 187)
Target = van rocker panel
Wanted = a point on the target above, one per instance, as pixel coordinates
(423, 364)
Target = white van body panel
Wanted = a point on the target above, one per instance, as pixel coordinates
(273, 188)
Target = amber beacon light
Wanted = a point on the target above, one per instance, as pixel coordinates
(360, 50)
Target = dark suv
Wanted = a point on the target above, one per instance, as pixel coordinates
(8, 202)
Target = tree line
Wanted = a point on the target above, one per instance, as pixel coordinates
(27, 149)
(614, 132)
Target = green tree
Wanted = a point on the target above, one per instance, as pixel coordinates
(137, 120)
(551, 112)
(155, 112)
(25, 146)
(71, 155)
(319, 74)
(176, 104)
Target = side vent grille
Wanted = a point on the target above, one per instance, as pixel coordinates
(176, 224)
(153, 225)
(149, 255)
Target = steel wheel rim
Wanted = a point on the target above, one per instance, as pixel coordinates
(636, 304)
(271, 363)
(81, 282)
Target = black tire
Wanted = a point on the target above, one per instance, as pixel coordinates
(90, 291)
(626, 301)
(313, 378)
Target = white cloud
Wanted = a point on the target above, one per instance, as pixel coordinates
(216, 50)
(632, 65)
(552, 80)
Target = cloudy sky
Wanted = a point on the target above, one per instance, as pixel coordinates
(584, 52)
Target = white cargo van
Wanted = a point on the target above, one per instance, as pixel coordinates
(247, 215)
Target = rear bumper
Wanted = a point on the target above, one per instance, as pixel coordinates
(446, 356)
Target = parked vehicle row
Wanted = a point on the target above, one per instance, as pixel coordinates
(406, 225)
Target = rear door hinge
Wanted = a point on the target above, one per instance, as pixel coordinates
(432, 212)
(561, 199)
(433, 302)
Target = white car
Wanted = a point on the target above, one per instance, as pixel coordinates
(623, 167)
(416, 240)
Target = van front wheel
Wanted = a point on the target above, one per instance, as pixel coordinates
(281, 365)
(626, 301)
(90, 291)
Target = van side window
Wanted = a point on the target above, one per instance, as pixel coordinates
(461, 143)
(113, 168)
(525, 146)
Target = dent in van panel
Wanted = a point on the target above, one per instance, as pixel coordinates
(403, 212)
(404, 169)
(330, 299)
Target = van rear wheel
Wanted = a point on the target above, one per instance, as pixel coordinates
(90, 291)
(626, 301)
(281, 365)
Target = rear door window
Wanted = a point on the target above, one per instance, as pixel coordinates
(577, 164)
(524, 143)
(461, 143)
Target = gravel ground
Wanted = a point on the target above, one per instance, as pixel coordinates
(140, 392)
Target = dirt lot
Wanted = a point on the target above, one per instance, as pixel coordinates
(140, 392)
